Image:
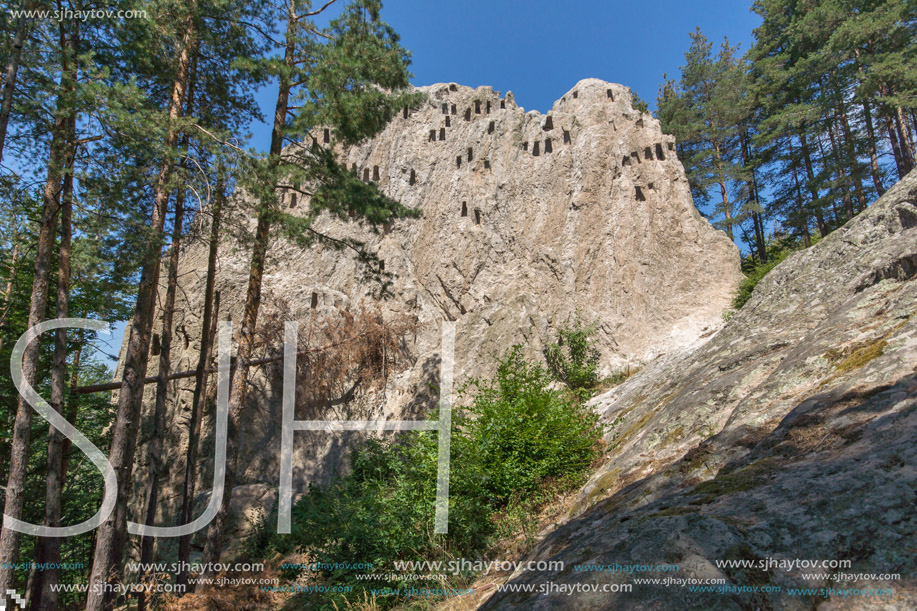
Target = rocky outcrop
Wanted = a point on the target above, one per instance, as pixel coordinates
(789, 435)
(527, 218)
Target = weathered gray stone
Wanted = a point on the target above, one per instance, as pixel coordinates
(789, 435)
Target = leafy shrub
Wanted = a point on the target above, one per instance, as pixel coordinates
(516, 439)
(572, 358)
(525, 431)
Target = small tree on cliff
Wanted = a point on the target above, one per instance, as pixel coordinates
(572, 358)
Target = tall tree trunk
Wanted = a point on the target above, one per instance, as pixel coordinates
(855, 167)
(913, 127)
(907, 149)
(842, 177)
(208, 332)
(727, 210)
(871, 133)
(110, 536)
(12, 69)
(162, 392)
(845, 144)
(19, 448)
(835, 212)
(43, 597)
(760, 244)
(800, 205)
(896, 148)
(813, 189)
(214, 545)
(873, 156)
(165, 363)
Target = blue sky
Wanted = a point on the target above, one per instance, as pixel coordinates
(539, 50)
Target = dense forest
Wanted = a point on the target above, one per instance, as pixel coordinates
(122, 139)
(789, 140)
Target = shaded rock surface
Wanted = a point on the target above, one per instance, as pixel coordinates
(788, 435)
(527, 218)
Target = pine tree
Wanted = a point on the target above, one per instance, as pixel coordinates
(703, 110)
(64, 116)
(212, 37)
(343, 73)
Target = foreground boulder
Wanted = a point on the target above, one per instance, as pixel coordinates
(789, 436)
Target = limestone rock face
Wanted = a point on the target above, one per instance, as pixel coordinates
(789, 435)
(527, 218)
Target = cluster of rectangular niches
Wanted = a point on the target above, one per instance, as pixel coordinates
(290, 196)
(477, 213)
(656, 152)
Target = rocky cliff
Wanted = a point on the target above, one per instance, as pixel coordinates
(789, 435)
(527, 218)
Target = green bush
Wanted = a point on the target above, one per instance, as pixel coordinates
(572, 358)
(383, 511)
(517, 437)
(525, 431)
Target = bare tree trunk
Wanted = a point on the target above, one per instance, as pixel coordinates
(48, 548)
(162, 392)
(907, 151)
(110, 536)
(871, 133)
(12, 69)
(873, 156)
(214, 545)
(841, 176)
(727, 211)
(208, 331)
(900, 162)
(813, 190)
(42, 597)
(803, 216)
(9, 539)
(165, 364)
(760, 244)
(856, 169)
(19, 448)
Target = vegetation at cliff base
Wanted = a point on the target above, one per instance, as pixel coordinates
(517, 443)
(754, 269)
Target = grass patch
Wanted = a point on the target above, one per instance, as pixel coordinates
(862, 356)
